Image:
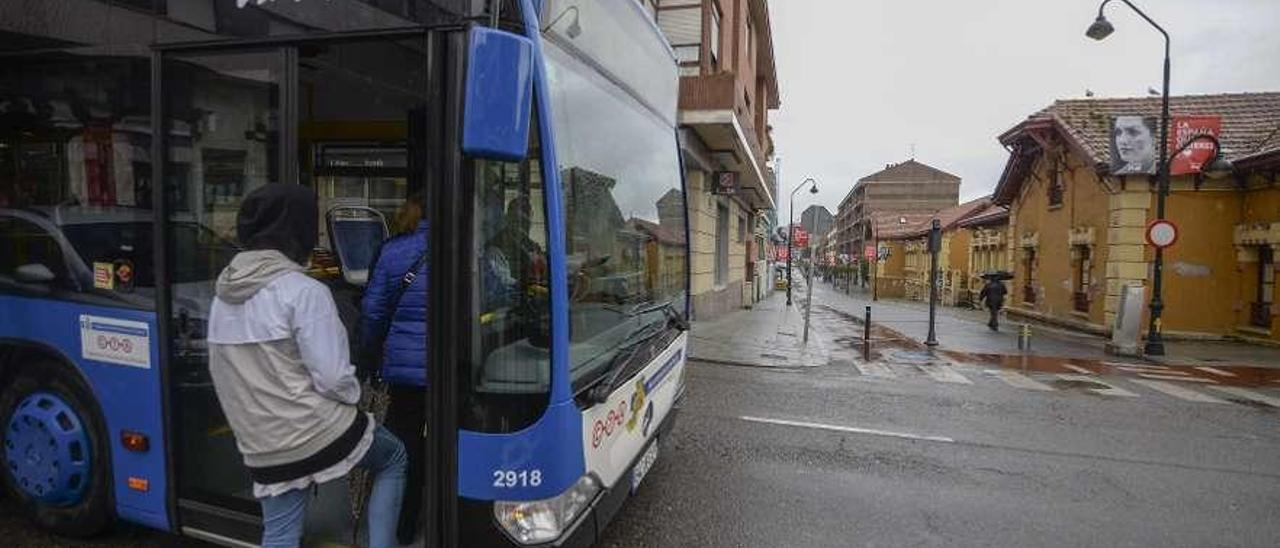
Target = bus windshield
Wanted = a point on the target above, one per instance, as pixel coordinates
(624, 210)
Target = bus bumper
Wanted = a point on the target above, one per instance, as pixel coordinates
(480, 529)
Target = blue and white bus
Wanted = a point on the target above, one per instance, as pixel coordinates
(541, 134)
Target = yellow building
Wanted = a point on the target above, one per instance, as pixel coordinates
(988, 247)
(953, 255)
(1076, 230)
(891, 233)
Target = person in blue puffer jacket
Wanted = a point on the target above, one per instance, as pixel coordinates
(395, 335)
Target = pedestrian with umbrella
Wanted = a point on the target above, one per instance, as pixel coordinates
(992, 295)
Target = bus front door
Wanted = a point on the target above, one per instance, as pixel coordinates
(341, 116)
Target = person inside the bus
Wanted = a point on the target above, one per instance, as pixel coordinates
(393, 327)
(279, 361)
(498, 284)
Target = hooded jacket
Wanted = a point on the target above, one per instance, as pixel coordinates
(280, 364)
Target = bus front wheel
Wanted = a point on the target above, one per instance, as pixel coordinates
(53, 452)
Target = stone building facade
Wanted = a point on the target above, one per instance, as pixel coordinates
(728, 87)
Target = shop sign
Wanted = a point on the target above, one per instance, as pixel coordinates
(724, 183)
(799, 237)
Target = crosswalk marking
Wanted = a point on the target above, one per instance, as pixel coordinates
(1216, 371)
(1018, 380)
(871, 369)
(1248, 395)
(1077, 369)
(1151, 367)
(944, 373)
(1110, 390)
(1142, 370)
(1177, 391)
(1173, 378)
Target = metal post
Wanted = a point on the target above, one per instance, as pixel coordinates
(935, 244)
(791, 233)
(1098, 31)
(808, 301)
(1155, 341)
(875, 274)
(866, 335)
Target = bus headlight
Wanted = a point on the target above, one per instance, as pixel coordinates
(533, 522)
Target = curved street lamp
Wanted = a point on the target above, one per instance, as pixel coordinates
(791, 219)
(1099, 30)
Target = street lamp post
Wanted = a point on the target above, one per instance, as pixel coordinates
(1100, 29)
(935, 246)
(791, 233)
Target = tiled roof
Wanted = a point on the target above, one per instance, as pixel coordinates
(993, 214)
(909, 171)
(664, 234)
(1249, 120)
(890, 226)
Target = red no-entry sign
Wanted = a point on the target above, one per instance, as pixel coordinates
(1162, 233)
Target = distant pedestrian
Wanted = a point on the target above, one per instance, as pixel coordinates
(992, 295)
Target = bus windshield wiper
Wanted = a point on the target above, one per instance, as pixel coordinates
(600, 392)
(674, 318)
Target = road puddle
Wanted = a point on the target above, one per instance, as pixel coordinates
(889, 345)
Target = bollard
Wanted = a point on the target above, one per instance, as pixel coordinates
(1024, 337)
(866, 336)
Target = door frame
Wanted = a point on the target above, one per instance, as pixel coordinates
(203, 518)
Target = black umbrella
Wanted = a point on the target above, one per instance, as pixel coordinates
(998, 275)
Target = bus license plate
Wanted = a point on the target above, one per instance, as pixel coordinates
(644, 464)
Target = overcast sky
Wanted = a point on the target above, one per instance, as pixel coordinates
(862, 80)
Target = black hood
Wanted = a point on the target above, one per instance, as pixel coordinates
(282, 217)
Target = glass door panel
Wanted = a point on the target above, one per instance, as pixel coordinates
(222, 119)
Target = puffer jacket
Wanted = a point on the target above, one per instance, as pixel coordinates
(404, 350)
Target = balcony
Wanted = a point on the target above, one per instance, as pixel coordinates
(714, 106)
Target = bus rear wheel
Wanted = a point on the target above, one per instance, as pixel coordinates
(53, 453)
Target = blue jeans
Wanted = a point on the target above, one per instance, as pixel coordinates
(282, 515)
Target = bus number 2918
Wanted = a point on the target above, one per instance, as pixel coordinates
(517, 478)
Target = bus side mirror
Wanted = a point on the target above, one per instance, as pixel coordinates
(499, 95)
(34, 273)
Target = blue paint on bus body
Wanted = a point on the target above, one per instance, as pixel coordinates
(129, 397)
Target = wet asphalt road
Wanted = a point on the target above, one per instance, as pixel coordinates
(843, 455)
(1004, 466)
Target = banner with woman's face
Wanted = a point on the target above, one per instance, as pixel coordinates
(1133, 145)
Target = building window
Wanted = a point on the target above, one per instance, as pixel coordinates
(715, 35)
(722, 244)
(1260, 312)
(1029, 266)
(1056, 186)
(742, 228)
(1083, 277)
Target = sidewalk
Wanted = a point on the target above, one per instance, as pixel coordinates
(770, 334)
(962, 330)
